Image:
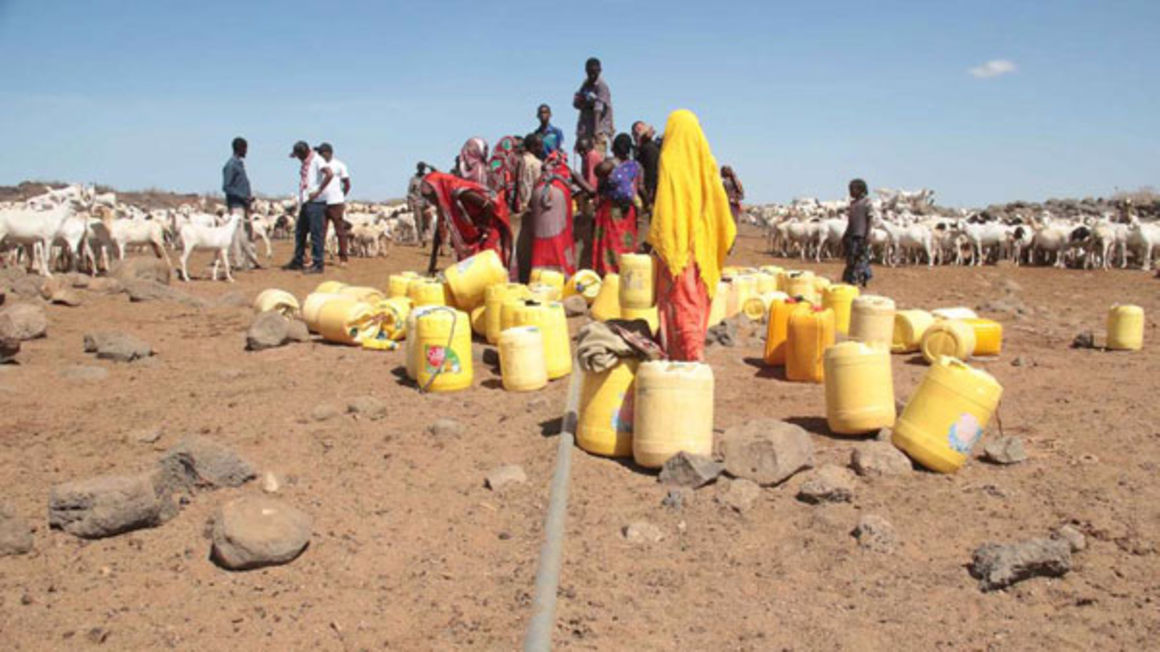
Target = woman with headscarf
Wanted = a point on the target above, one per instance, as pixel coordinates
(471, 164)
(614, 226)
(691, 233)
(470, 215)
(550, 219)
(733, 190)
(502, 168)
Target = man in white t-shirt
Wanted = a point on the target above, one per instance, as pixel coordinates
(313, 178)
(335, 196)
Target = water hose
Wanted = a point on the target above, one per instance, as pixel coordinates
(539, 635)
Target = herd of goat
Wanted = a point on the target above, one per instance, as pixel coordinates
(908, 229)
(77, 228)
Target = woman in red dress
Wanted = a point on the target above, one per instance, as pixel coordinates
(614, 231)
(550, 217)
(470, 215)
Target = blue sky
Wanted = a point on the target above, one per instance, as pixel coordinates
(798, 97)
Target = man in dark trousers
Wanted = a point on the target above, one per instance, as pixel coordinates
(313, 177)
(594, 101)
(648, 154)
(236, 187)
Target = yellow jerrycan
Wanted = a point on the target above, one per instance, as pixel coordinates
(397, 284)
(312, 306)
(776, 272)
(585, 283)
(946, 415)
(909, 327)
(718, 303)
(277, 300)
(755, 308)
(949, 337)
(988, 336)
(607, 303)
(329, 287)
(957, 312)
(426, 292)
(606, 406)
(553, 324)
(742, 288)
(859, 388)
(766, 282)
(363, 293)
(548, 277)
(443, 350)
(650, 315)
(1125, 328)
(468, 279)
(810, 334)
(820, 285)
(478, 323)
(777, 328)
(494, 297)
(345, 320)
(522, 365)
(800, 284)
(392, 315)
(411, 346)
(636, 281)
(872, 320)
(672, 411)
(840, 298)
(543, 292)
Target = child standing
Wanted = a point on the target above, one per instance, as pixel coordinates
(859, 219)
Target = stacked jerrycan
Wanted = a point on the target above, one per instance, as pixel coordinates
(636, 292)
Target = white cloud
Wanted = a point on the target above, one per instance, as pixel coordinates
(992, 68)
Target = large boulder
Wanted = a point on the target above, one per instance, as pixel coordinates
(268, 330)
(829, 484)
(117, 346)
(997, 566)
(688, 470)
(23, 321)
(766, 451)
(878, 458)
(144, 290)
(256, 531)
(140, 268)
(198, 462)
(108, 505)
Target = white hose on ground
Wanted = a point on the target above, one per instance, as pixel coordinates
(539, 635)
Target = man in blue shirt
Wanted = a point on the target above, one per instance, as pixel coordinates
(236, 187)
(553, 137)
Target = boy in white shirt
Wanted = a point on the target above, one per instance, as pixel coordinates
(335, 197)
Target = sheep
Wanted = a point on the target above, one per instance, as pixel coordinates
(32, 227)
(123, 232)
(215, 238)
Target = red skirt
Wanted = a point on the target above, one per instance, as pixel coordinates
(683, 308)
(613, 233)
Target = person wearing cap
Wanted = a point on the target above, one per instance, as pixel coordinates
(313, 177)
(236, 188)
(335, 197)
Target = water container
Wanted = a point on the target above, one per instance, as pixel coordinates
(397, 284)
(1125, 328)
(329, 287)
(636, 281)
(988, 336)
(411, 347)
(426, 292)
(958, 312)
(521, 359)
(672, 411)
(443, 350)
(544, 293)
(801, 284)
(949, 337)
(742, 287)
(766, 283)
(810, 334)
(279, 301)
(859, 388)
(313, 305)
(548, 277)
(585, 283)
(840, 298)
(718, 303)
(755, 308)
(777, 328)
(776, 272)
(606, 402)
(478, 321)
(946, 415)
(363, 293)
(494, 297)
(468, 279)
(872, 320)
(650, 315)
(820, 285)
(553, 324)
(344, 320)
(607, 303)
(909, 327)
(392, 316)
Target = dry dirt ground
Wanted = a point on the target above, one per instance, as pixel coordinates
(410, 551)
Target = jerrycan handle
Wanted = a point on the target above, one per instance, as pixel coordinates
(952, 361)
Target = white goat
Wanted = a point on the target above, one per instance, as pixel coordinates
(33, 228)
(215, 238)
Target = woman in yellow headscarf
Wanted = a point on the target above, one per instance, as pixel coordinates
(692, 231)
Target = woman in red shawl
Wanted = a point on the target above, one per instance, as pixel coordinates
(471, 215)
(614, 230)
(550, 217)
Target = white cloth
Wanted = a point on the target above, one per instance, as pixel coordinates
(313, 178)
(333, 192)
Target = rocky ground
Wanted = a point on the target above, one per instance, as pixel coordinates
(407, 525)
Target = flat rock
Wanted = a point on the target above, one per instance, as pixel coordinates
(233, 300)
(15, 534)
(23, 321)
(106, 285)
(689, 470)
(766, 451)
(268, 330)
(367, 407)
(141, 268)
(82, 372)
(876, 534)
(143, 290)
(324, 412)
(66, 297)
(52, 285)
(505, 475)
(297, 331)
(724, 334)
(642, 533)
(26, 287)
(575, 306)
(147, 435)
(877, 458)
(739, 494)
(256, 531)
(1004, 450)
(828, 484)
(198, 462)
(108, 505)
(117, 346)
(444, 428)
(997, 566)
(9, 347)
(1071, 534)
